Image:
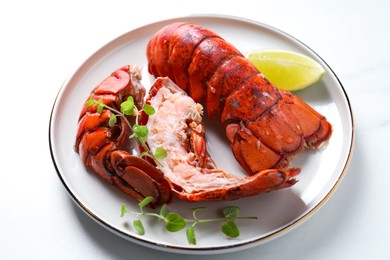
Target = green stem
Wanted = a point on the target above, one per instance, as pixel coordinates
(139, 140)
(196, 220)
(150, 214)
(118, 113)
(149, 152)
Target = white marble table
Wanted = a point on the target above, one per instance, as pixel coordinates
(44, 41)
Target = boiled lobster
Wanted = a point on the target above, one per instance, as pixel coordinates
(266, 126)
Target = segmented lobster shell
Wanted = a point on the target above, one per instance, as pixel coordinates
(266, 126)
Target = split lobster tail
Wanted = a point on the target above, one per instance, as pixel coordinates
(177, 127)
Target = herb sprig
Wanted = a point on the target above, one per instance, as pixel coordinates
(139, 132)
(175, 222)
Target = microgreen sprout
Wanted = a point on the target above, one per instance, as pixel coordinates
(139, 132)
(175, 222)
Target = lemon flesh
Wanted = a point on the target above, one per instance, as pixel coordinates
(285, 69)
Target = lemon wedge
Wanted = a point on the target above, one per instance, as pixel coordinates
(285, 69)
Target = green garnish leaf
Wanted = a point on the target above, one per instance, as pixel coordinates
(174, 222)
(145, 201)
(127, 107)
(123, 210)
(191, 235)
(112, 120)
(100, 108)
(143, 139)
(164, 210)
(139, 227)
(90, 103)
(230, 229)
(140, 130)
(148, 109)
(160, 153)
(231, 212)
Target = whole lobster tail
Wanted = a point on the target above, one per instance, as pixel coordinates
(266, 126)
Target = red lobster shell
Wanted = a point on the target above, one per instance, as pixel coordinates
(100, 146)
(265, 126)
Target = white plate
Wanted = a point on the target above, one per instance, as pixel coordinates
(278, 212)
